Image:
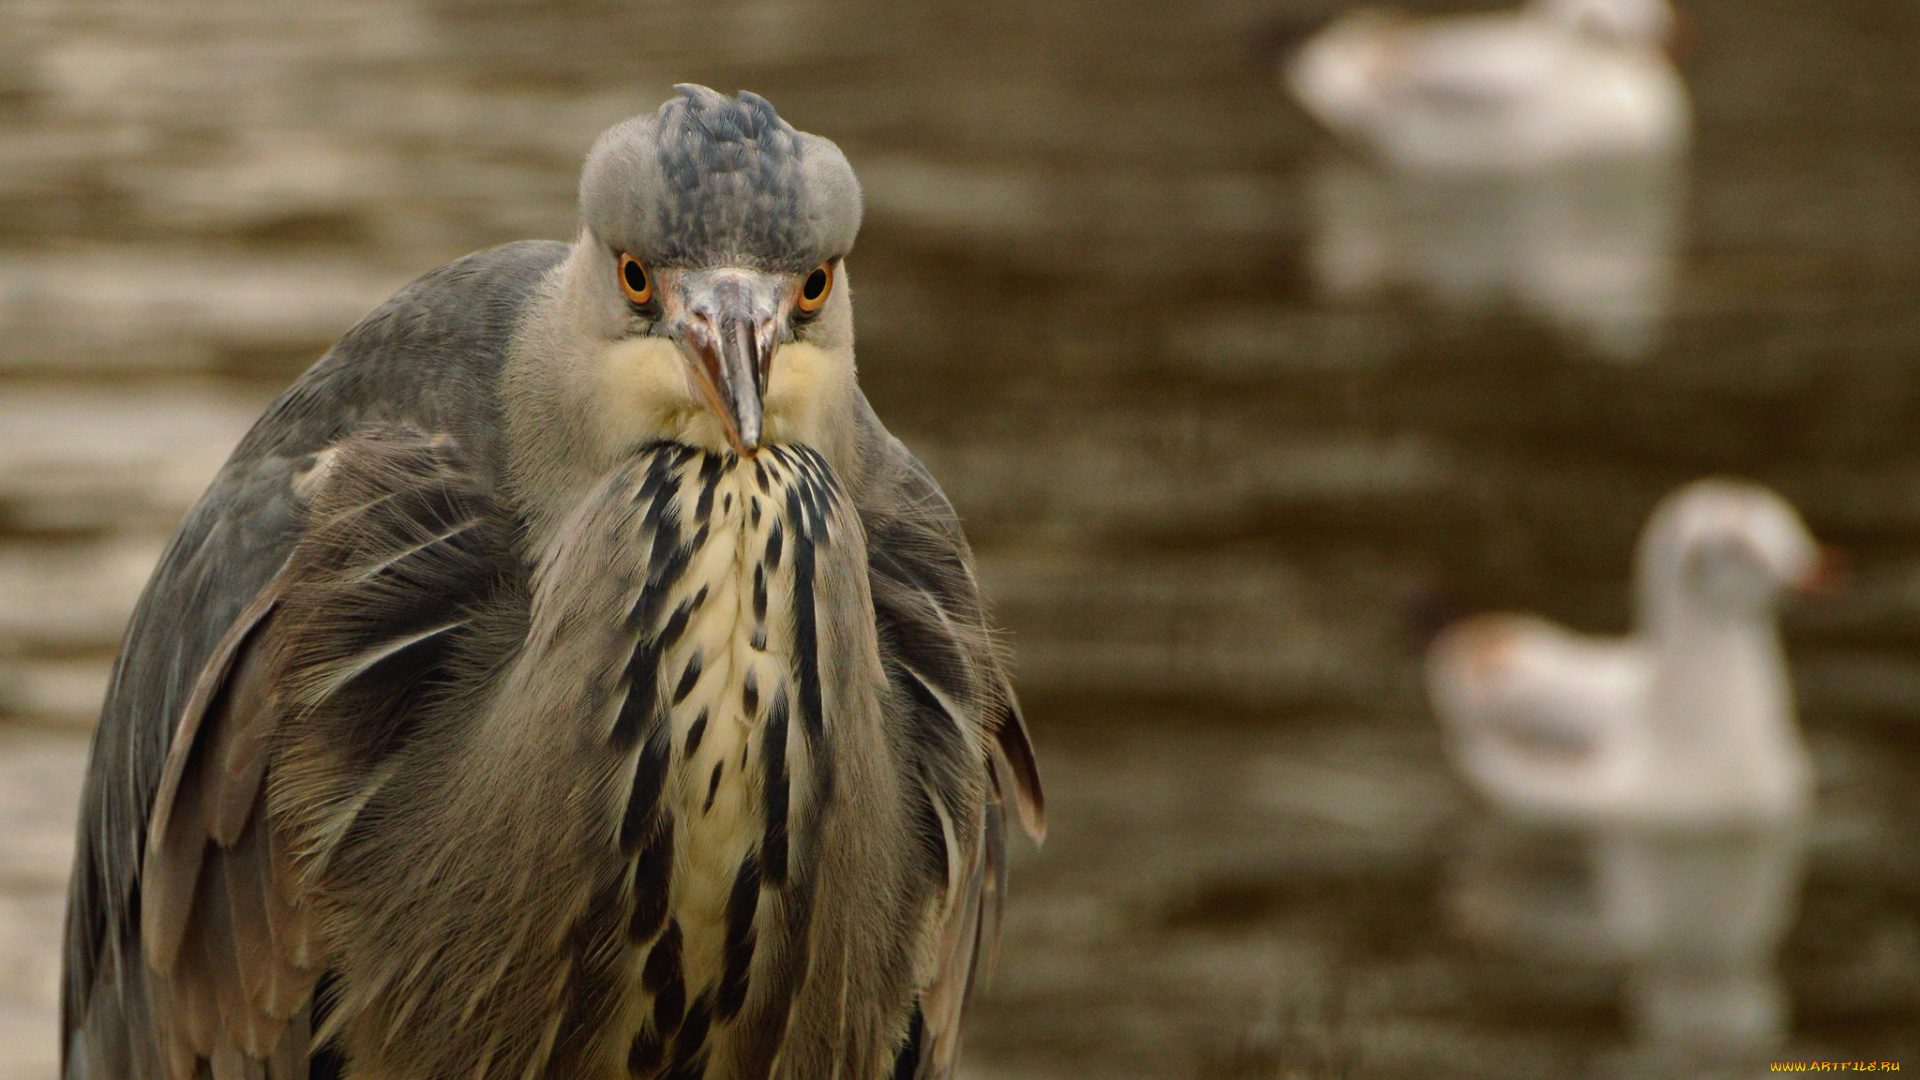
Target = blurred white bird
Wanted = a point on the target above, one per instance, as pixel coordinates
(1545, 84)
(1686, 723)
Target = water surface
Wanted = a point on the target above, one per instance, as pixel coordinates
(1235, 422)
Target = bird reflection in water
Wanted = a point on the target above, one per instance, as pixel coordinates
(1693, 919)
(1590, 251)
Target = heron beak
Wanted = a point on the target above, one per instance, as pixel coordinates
(727, 323)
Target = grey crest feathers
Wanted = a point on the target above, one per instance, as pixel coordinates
(711, 180)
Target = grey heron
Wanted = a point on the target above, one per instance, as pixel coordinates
(569, 676)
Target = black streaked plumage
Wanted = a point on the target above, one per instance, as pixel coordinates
(742, 906)
(669, 556)
(643, 798)
(652, 878)
(646, 1053)
(711, 465)
(695, 734)
(690, 1044)
(637, 707)
(658, 469)
(669, 635)
(771, 561)
(688, 678)
(806, 636)
(663, 979)
(773, 764)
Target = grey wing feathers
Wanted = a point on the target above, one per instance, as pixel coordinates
(971, 748)
(934, 621)
(173, 669)
(345, 640)
(231, 952)
(189, 708)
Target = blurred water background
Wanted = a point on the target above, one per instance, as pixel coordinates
(1235, 423)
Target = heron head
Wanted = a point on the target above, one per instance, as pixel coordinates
(710, 263)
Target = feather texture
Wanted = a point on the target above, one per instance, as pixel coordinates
(706, 781)
(954, 706)
(182, 713)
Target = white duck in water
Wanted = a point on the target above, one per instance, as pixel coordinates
(1546, 84)
(1686, 723)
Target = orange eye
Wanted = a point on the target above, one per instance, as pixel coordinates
(634, 279)
(814, 290)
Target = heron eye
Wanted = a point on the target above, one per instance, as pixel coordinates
(634, 280)
(814, 290)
